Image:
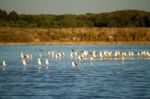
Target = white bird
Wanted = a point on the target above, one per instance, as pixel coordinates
(91, 58)
(24, 62)
(79, 57)
(27, 56)
(74, 64)
(46, 62)
(4, 63)
(100, 54)
(39, 61)
(94, 54)
(22, 56)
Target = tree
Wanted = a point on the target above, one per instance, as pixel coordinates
(13, 16)
(3, 15)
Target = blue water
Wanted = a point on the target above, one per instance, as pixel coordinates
(106, 79)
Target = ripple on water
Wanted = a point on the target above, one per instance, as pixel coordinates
(112, 79)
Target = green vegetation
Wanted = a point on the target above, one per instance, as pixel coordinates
(124, 18)
(118, 26)
(9, 34)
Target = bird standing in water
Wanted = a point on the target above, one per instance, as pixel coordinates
(46, 62)
(39, 61)
(74, 64)
(4, 63)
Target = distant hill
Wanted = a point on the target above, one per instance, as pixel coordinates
(123, 18)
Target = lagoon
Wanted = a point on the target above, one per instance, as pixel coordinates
(101, 78)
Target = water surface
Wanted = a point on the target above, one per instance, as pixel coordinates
(113, 79)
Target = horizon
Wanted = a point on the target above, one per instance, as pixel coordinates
(73, 13)
(57, 7)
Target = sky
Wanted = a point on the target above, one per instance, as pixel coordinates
(72, 6)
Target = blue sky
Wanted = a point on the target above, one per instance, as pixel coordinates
(72, 6)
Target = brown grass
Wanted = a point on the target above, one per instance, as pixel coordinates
(14, 35)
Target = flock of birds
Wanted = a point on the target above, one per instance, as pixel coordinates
(27, 57)
(82, 55)
(107, 55)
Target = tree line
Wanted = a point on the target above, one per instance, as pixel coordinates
(123, 18)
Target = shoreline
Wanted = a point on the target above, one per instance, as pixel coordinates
(77, 43)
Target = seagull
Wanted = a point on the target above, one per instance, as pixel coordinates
(4, 63)
(24, 62)
(74, 64)
(91, 58)
(46, 62)
(22, 56)
(39, 61)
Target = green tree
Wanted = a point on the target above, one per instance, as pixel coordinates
(13, 16)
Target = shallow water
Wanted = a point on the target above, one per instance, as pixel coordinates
(113, 79)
